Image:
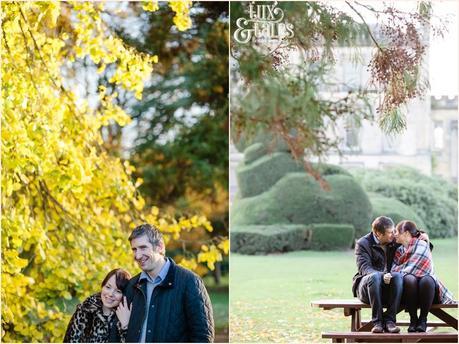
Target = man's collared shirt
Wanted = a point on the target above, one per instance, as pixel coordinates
(151, 285)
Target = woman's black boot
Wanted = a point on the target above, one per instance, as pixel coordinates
(413, 323)
(422, 325)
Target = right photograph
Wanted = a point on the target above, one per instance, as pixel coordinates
(343, 171)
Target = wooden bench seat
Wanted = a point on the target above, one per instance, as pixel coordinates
(434, 324)
(357, 304)
(368, 337)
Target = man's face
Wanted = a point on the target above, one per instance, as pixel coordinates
(147, 256)
(387, 237)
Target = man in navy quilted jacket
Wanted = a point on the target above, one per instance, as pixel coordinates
(168, 303)
(374, 283)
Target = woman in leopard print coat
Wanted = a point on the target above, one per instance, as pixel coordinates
(102, 317)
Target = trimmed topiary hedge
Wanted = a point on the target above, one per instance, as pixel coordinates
(432, 199)
(327, 169)
(260, 175)
(395, 209)
(331, 236)
(268, 140)
(283, 238)
(436, 183)
(297, 198)
(269, 239)
(261, 170)
(254, 152)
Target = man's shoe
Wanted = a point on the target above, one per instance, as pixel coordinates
(422, 325)
(377, 328)
(413, 323)
(391, 327)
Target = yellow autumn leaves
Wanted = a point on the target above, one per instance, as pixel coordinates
(181, 19)
(181, 8)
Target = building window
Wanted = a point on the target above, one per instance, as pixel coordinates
(351, 137)
(438, 136)
(390, 143)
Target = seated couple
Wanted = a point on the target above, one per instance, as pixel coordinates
(164, 303)
(395, 267)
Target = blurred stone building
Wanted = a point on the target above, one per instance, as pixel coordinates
(444, 114)
(428, 144)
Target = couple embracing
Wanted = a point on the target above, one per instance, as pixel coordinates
(164, 303)
(395, 267)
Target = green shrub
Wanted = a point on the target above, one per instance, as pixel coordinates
(254, 152)
(328, 169)
(297, 198)
(260, 175)
(260, 172)
(272, 144)
(269, 239)
(428, 197)
(437, 183)
(394, 209)
(283, 238)
(438, 212)
(328, 236)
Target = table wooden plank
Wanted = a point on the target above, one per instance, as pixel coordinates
(447, 318)
(386, 336)
(407, 323)
(356, 303)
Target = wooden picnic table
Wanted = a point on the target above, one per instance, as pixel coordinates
(368, 337)
(360, 330)
(352, 308)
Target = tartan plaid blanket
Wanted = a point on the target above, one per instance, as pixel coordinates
(416, 259)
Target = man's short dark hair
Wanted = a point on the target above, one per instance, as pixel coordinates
(381, 223)
(151, 232)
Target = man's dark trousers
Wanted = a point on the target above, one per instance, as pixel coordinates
(374, 291)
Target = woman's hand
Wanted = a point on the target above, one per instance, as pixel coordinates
(424, 236)
(123, 312)
(387, 277)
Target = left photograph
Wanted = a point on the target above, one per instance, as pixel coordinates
(114, 178)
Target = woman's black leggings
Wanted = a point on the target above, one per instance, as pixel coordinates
(418, 292)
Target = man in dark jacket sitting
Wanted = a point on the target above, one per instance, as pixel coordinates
(373, 283)
(168, 303)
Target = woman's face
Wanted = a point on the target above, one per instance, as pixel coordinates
(110, 294)
(402, 237)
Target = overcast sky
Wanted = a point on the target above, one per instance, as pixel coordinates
(443, 64)
(443, 52)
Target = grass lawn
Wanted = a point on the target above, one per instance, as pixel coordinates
(270, 295)
(219, 298)
(219, 301)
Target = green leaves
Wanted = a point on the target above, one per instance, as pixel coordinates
(290, 106)
(184, 113)
(393, 122)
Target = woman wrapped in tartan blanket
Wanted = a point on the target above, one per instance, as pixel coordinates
(421, 287)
